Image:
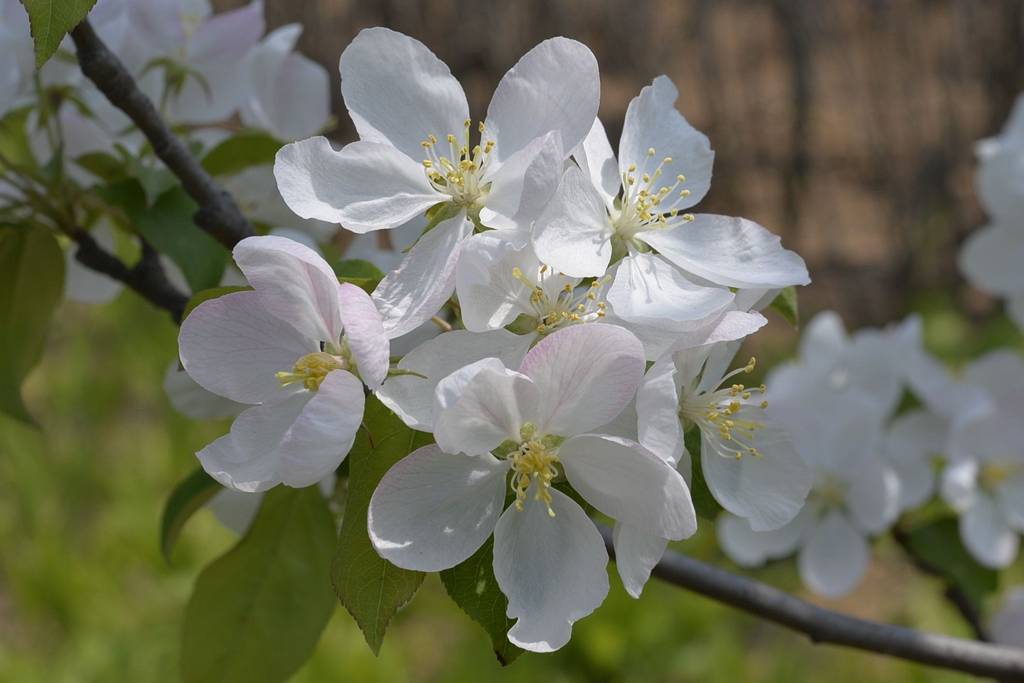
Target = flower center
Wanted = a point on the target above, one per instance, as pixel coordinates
(460, 171)
(563, 307)
(994, 474)
(534, 459)
(728, 413)
(649, 204)
(312, 369)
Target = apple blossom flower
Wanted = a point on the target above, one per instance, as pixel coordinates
(501, 431)
(855, 494)
(1007, 625)
(297, 350)
(416, 153)
(984, 480)
(609, 209)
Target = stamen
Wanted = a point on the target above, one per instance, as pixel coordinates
(312, 369)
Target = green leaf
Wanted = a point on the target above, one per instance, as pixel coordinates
(358, 272)
(188, 496)
(50, 21)
(703, 502)
(211, 293)
(31, 286)
(14, 138)
(169, 227)
(104, 166)
(787, 306)
(475, 590)
(372, 589)
(937, 544)
(241, 151)
(257, 612)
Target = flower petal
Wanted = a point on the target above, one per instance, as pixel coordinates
(585, 376)
(987, 535)
(729, 251)
(233, 347)
(573, 234)
(657, 407)
(912, 443)
(835, 557)
(637, 551)
(490, 295)
(1011, 500)
(432, 510)
(596, 157)
(990, 259)
(553, 87)
(412, 293)
(552, 569)
(365, 186)
(653, 122)
(648, 289)
(191, 400)
(235, 509)
(412, 398)
(749, 548)
(227, 36)
(294, 283)
(873, 496)
(398, 92)
(364, 331)
(522, 186)
(489, 407)
(630, 484)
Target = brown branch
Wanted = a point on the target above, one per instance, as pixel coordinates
(826, 626)
(147, 277)
(218, 214)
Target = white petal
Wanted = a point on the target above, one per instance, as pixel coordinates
(364, 331)
(522, 186)
(552, 569)
(960, 484)
(412, 398)
(630, 484)
(987, 535)
(233, 347)
(235, 509)
(990, 259)
(657, 406)
(1011, 500)
(364, 186)
(573, 234)
(648, 289)
(637, 551)
(323, 433)
(227, 36)
(432, 509)
(998, 178)
(835, 557)
(585, 376)
(749, 548)
(293, 283)
(398, 92)
(489, 408)
(913, 442)
(652, 121)
(291, 100)
(1000, 373)
(729, 251)
(553, 87)
(490, 295)
(1007, 626)
(415, 291)
(595, 156)
(767, 490)
(191, 400)
(824, 338)
(873, 496)
(716, 331)
(1015, 309)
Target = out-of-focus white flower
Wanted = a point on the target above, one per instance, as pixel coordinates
(612, 208)
(295, 350)
(991, 257)
(256, 193)
(984, 481)
(416, 152)
(498, 429)
(237, 509)
(1007, 625)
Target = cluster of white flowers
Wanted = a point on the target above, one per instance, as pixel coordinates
(596, 322)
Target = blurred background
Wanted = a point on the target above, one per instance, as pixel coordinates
(846, 127)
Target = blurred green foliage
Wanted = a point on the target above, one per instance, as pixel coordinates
(86, 596)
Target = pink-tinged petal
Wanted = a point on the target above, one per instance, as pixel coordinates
(729, 251)
(573, 234)
(553, 87)
(322, 434)
(637, 551)
(365, 186)
(596, 157)
(476, 414)
(415, 291)
(835, 557)
(412, 398)
(553, 570)
(228, 36)
(233, 347)
(630, 484)
(653, 122)
(397, 92)
(585, 375)
(522, 186)
(432, 509)
(364, 331)
(293, 283)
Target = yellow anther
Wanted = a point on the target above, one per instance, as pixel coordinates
(312, 369)
(650, 151)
